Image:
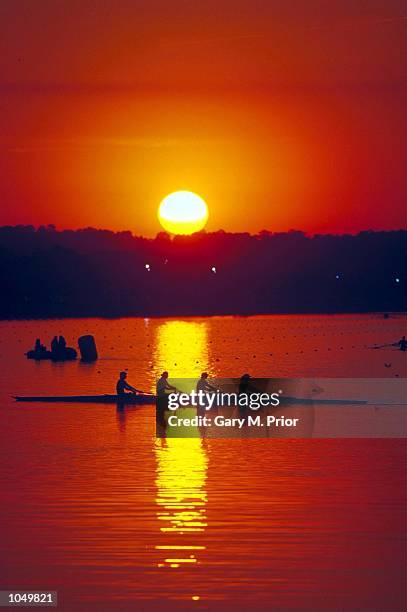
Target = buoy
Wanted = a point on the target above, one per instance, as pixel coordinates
(87, 347)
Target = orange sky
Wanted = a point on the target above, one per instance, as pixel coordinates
(280, 114)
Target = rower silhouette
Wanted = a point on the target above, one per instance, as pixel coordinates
(122, 386)
(402, 344)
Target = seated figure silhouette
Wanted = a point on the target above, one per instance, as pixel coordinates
(402, 344)
(59, 350)
(122, 385)
(54, 347)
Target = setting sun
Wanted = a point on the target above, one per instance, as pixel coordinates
(183, 212)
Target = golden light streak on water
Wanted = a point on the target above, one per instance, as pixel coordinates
(182, 348)
(181, 497)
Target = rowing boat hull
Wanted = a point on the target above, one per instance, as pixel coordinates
(130, 399)
(91, 399)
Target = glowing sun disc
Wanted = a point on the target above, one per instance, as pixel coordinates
(183, 212)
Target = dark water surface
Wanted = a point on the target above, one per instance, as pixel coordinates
(93, 506)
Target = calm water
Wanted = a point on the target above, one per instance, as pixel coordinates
(95, 507)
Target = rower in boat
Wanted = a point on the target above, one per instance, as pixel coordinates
(122, 386)
(203, 384)
(246, 385)
(163, 387)
(402, 343)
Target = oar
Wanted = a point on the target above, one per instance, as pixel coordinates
(379, 346)
(144, 392)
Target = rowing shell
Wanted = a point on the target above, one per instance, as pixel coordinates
(141, 399)
(129, 398)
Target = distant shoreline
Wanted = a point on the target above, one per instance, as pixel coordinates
(46, 273)
(379, 314)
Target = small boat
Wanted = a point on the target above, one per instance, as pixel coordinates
(68, 354)
(145, 398)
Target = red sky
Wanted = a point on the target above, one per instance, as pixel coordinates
(280, 114)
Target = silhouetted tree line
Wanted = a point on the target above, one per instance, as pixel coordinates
(89, 272)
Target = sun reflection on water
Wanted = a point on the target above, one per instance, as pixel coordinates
(181, 499)
(182, 348)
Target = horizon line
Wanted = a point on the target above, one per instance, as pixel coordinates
(54, 228)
